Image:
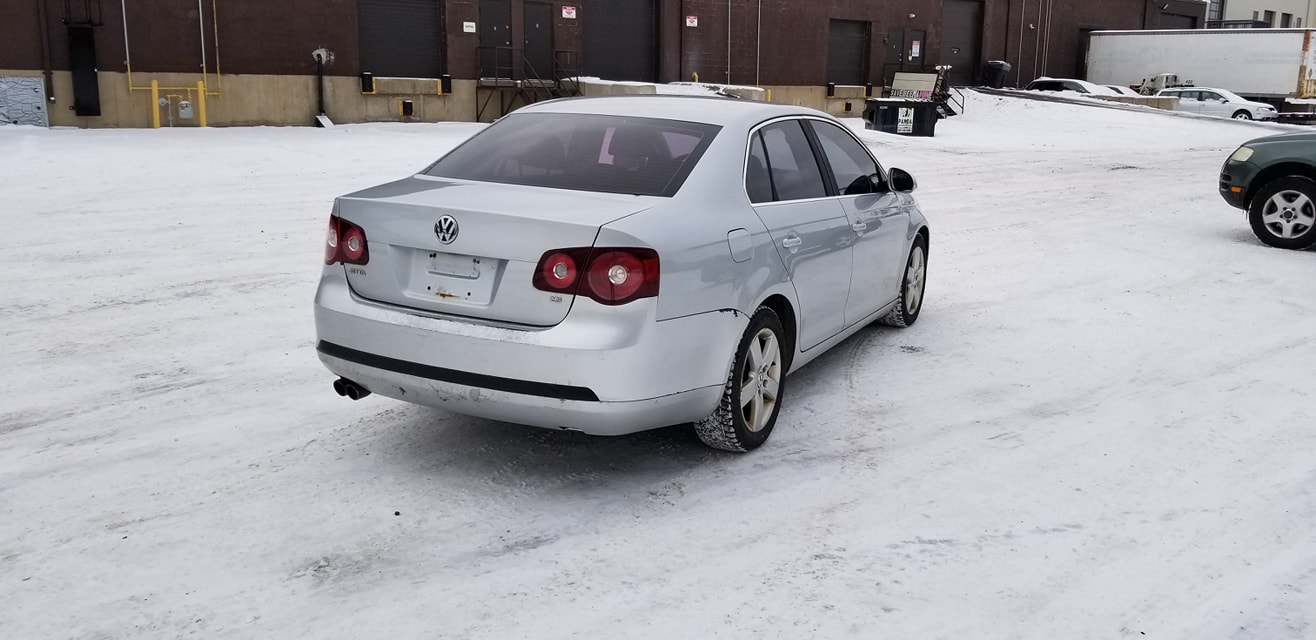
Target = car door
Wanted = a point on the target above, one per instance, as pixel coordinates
(879, 220)
(809, 227)
(1214, 104)
(1190, 101)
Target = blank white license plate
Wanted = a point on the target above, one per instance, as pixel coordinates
(451, 277)
(457, 266)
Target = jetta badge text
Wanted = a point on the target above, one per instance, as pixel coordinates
(446, 229)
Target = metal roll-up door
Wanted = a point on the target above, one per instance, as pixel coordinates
(847, 52)
(400, 38)
(961, 40)
(619, 40)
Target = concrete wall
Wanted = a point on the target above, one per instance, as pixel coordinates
(262, 100)
(1168, 104)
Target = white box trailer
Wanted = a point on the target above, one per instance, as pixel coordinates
(1264, 64)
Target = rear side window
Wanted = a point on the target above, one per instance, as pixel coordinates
(609, 154)
(758, 184)
(791, 163)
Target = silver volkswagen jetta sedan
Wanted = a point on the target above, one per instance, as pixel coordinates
(611, 265)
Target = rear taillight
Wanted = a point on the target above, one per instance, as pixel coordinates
(611, 276)
(345, 243)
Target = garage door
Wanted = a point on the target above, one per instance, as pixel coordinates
(400, 38)
(847, 52)
(619, 40)
(961, 40)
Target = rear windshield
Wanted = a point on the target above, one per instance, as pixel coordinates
(610, 154)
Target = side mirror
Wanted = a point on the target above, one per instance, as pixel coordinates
(901, 181)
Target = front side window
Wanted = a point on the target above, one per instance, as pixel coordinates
(582, 152)
(851, 166)
(791, 163)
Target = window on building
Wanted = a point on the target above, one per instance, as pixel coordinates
(1285, 20)
(1216, 10)
(1270, 18)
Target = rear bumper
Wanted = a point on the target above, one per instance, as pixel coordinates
(603, 370)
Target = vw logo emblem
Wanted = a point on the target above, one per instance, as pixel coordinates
(446, 229)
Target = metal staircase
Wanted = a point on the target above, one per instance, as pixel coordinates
(511, 79)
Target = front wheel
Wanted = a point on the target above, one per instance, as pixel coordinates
(1242, 115)
(751, 399)
(1283, 213)
(910, 302)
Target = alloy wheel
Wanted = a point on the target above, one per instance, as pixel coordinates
(914, 276)
(1289, 214)
(761, 381)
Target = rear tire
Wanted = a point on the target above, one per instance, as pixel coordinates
(1242, 115)
(1283, 213)
(755, 386)
(912, 285)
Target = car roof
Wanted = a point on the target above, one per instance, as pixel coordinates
(711, 110)
(1092, 87)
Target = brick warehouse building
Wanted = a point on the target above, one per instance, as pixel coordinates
(254, 59)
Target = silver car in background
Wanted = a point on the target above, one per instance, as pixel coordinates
(611, 265)
(1219, 102)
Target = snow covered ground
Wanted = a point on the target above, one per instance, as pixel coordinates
(1103, 426)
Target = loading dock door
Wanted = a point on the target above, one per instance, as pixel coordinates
(619, 40)
(539, 40)
(400, 38)
(847, 52)
(961, 40)
(496, 60)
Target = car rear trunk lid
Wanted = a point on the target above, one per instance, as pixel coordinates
(470, 248)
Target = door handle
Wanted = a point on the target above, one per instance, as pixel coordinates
(859, 227)
(792, 242)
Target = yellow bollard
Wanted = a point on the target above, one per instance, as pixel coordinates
(155, 104)
(769, 95)
(201, 101)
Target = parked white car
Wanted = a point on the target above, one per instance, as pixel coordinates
(1122, 90)
(1070, 85)
(1219, 102)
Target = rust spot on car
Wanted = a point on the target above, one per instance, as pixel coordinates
(445, 295)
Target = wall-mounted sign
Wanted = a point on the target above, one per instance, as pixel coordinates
(569, 12)
(468, 27)
(915, 49)
(692, 21)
